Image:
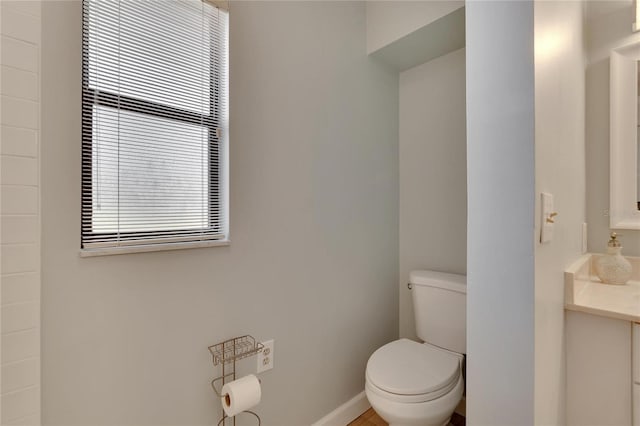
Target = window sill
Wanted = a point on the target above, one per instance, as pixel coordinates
(110, 251)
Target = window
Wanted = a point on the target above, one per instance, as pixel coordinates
(154, 124)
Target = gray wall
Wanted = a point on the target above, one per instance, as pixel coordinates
(500, 179)
(433, 173)
(314, 222)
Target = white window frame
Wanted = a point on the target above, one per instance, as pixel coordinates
(218, 182)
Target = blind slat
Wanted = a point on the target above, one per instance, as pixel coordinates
(154, 116)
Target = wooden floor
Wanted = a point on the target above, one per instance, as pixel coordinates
(371, 418)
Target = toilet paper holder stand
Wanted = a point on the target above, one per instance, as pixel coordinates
(229, 352)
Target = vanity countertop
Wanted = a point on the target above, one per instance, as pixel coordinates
(585, 292)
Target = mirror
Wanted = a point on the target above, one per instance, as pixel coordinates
(624, 203)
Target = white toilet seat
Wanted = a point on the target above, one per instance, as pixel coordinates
(436, 412)
(409, 372)
(412, 398)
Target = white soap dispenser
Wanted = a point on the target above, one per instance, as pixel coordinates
(613, 268)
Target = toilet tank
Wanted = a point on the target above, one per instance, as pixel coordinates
(440, 308)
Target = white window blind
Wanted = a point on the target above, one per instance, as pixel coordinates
(154, 120)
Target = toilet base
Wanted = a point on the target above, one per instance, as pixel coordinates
(436, 412)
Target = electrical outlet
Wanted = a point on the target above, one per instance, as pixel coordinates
(265, 357)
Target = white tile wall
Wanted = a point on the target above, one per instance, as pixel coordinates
(20, 345)
(19, 170)
(20, 375)
(19, 54)
(19, 83)
(19, 112)
(19, 141)
(19, 212)
(19, 229)
(20, 25)
(19, 403)
(20, 316)
(27, 7)
(29, 420)
(19, 258)
(23, 287)
(19, 200)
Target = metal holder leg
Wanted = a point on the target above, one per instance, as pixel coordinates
(248, 412)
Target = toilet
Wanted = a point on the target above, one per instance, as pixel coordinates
(410, 383)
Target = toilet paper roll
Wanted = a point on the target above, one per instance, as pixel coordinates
(241, 395)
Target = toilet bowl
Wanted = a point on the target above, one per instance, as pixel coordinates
(410, 383)
(420, 384)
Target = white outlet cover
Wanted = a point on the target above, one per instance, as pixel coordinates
(265, 357)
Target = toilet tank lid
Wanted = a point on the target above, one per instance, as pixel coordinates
(453, 282)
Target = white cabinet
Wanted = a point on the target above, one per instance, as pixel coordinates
(603, 347)
(636, 404)
(599, 372)
(636, 374)
(636, 353)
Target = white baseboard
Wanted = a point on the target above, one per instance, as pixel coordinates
(346, 413)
